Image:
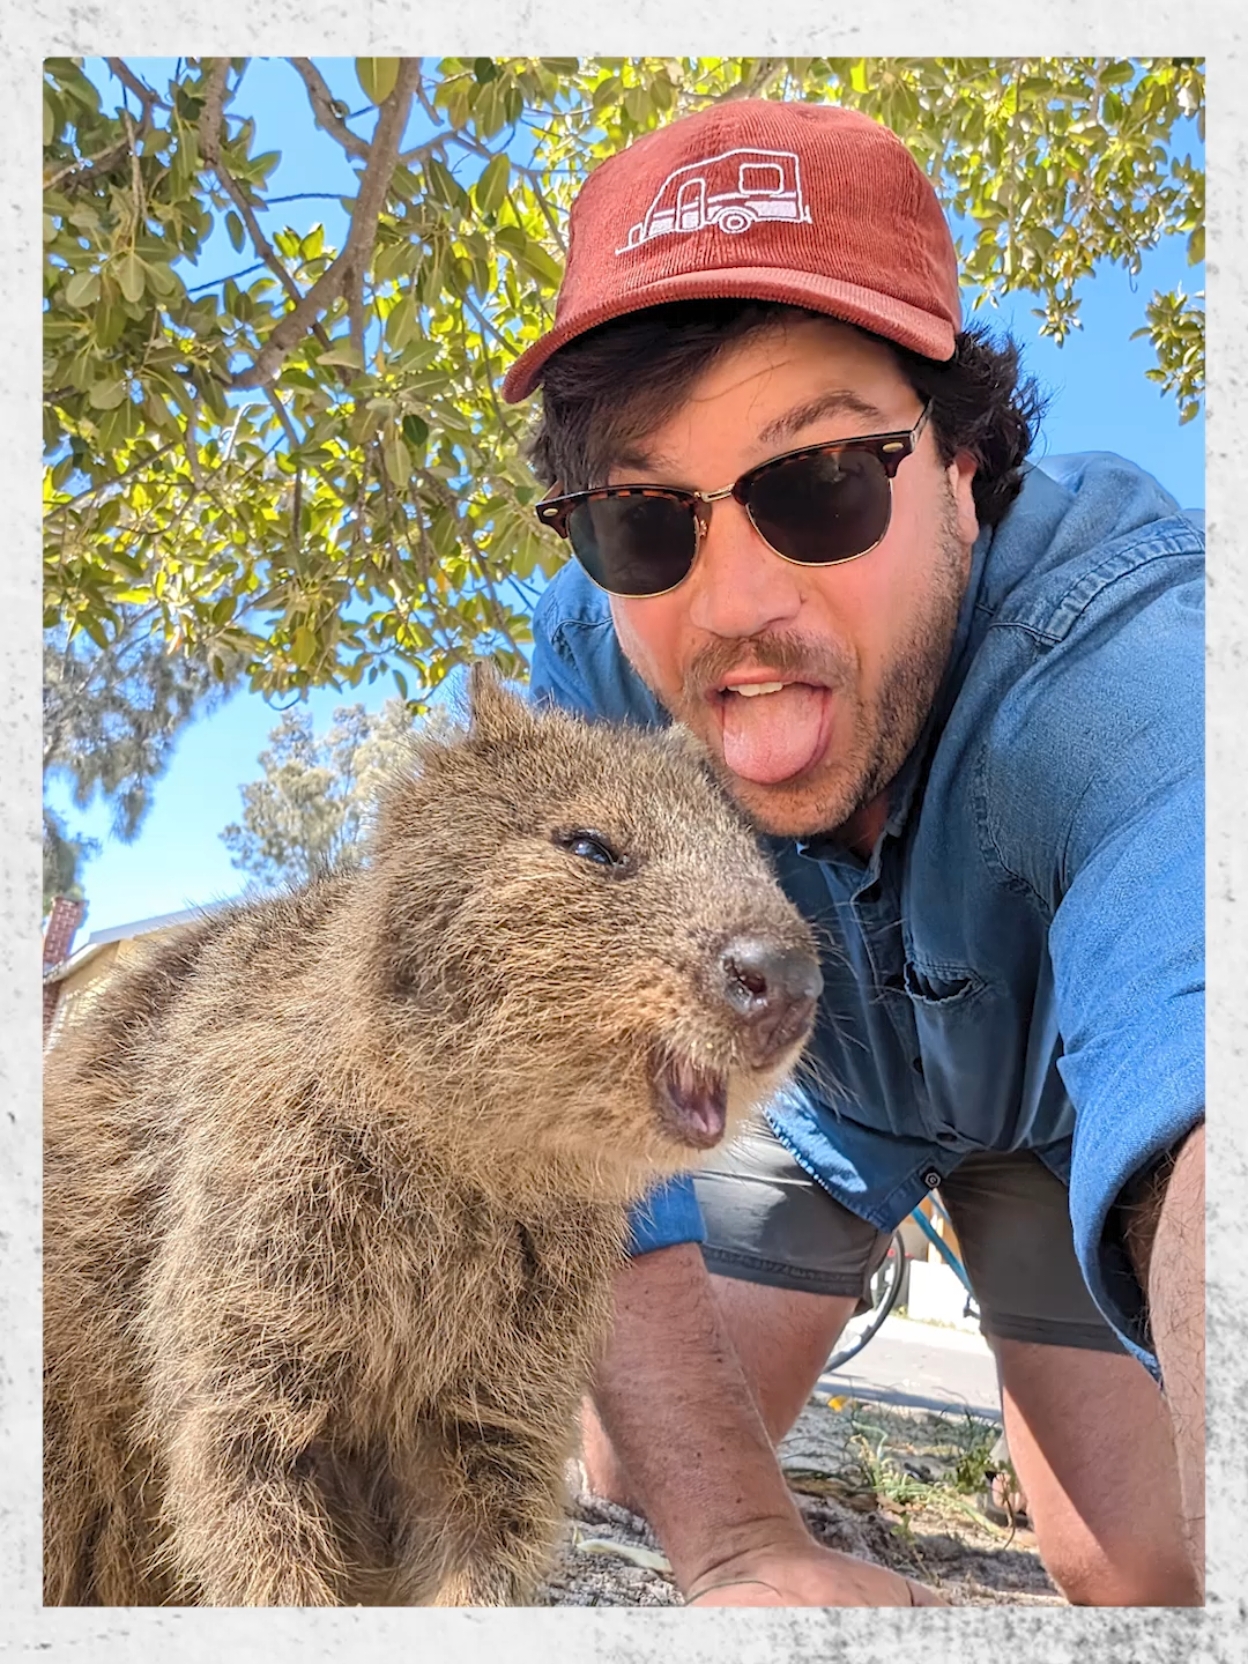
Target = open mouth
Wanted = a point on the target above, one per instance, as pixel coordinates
(692, 1103)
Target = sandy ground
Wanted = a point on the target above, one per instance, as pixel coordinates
(876, 1481)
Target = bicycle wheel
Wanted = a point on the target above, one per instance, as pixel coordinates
(885, 1287)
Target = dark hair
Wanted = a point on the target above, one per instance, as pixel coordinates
(614, 384)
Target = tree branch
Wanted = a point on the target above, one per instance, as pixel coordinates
(80, 172)
(210, 150)
(322, 101)
(355, 255)
(755, 84)
(145, 94)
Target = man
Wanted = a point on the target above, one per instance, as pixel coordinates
(962, 699)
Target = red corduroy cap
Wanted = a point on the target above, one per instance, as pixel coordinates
(809, 204)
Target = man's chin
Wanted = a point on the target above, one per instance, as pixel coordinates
(798, 808)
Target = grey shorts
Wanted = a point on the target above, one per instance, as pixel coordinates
(769, 1222)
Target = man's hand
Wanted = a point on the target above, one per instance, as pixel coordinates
(806, 1575)
(689, 1445)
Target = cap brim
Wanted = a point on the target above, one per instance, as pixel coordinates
(909, 326)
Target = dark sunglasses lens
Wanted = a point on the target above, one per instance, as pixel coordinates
(823, 508)
(634, 544)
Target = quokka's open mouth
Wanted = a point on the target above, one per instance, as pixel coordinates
(692, 1102)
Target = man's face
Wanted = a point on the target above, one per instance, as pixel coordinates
(860, 648)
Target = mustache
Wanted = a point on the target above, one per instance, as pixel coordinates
(792, 657)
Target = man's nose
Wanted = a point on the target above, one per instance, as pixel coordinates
(739, 586)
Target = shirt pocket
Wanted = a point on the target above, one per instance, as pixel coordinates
(956, 1052)
(940, 989)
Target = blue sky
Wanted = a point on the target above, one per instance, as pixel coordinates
(1100, 400)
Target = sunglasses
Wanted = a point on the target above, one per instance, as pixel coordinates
(817, 506)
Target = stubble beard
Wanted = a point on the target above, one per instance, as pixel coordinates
(884, 731)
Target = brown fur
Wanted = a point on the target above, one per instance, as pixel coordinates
(335, 1183)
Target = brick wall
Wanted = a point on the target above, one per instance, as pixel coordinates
(63, 921)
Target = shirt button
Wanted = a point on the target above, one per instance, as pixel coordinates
(931, 1178)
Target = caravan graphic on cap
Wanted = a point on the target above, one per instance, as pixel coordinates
(729, 192)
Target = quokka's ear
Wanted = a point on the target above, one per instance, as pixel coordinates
(495, 712)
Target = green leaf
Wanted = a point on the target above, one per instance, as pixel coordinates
(637, 103)
(512, 239)
(158, 412)
(131, 276)
(401, 324)
(82, 290)
(107, 395)
(536, 260)
(234, 226)
(442, 183)
(303, 647)
(1196, 246)
(491, 188)
(397, 458)
(606, 92)
(378, 77)
(342, 352)
(163, 281)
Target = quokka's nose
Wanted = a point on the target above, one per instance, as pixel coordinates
(773, 991)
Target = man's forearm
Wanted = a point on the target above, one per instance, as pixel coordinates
(1168, 1245)
(675, 1404)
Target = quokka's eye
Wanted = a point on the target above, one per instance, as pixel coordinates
(590, 846)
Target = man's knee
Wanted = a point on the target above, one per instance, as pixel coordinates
(1127, 1574)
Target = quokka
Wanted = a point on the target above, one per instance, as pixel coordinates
(336, 1183)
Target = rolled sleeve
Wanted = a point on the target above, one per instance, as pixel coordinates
(1127, 947)
(668, 1215)
(1127, 933)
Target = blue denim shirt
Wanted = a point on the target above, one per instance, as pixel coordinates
(1020, 963)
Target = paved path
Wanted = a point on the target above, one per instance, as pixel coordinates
(923, 1365)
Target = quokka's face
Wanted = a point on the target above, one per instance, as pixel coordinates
(638, 982)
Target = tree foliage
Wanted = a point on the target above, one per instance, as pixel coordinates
(310, 808)
(303, 465)
(111, 717)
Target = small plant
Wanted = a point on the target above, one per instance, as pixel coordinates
(974, 1466)
(921, 1463)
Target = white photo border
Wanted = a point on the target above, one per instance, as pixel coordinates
(981, 27)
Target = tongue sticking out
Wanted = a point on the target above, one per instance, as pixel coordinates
(769, 737)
